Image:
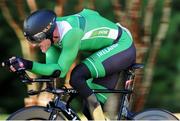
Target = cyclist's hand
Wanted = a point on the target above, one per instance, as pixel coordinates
(18, 64)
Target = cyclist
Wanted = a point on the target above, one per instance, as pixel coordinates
(109, 46)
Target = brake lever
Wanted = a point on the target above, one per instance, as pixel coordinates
(5, 63)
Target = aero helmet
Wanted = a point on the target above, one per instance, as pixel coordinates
(39, 25)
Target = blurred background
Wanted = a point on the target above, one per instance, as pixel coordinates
(154, 24)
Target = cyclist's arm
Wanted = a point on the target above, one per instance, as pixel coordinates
(70, 45)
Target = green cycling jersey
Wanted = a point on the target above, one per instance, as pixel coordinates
(85, 31)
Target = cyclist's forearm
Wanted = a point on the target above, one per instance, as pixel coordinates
(44, 69)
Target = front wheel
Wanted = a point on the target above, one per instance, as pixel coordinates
(33, 113)
(155, 114)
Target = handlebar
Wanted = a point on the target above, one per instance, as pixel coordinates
(25, 78)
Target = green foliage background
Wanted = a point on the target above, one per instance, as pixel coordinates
(165, 91)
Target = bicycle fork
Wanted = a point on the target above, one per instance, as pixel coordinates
(60, 106)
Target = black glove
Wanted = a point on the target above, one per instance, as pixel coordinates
(18, 64)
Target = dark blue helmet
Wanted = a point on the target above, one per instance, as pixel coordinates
(39, 25)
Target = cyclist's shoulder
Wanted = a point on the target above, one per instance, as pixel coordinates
(71, 20)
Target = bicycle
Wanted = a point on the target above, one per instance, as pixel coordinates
(57, 109)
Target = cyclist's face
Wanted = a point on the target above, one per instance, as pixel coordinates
(44, 45)
(56, 35)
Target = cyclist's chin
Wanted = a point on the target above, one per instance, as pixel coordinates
(44, 49)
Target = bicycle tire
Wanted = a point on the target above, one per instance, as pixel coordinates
(155, 114)
(33, 113)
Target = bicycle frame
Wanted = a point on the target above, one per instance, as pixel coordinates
(59, 105)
